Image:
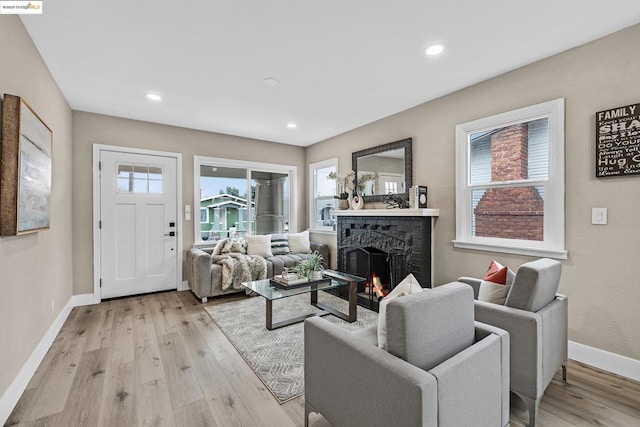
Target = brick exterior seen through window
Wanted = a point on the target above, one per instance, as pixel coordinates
(512, 212)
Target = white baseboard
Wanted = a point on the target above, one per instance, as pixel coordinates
(184, 286)
(601, 359)
(11, 396)
(83, 299)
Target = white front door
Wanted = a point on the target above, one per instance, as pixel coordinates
(138, 223)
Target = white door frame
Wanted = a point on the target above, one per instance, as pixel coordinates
(97, 148)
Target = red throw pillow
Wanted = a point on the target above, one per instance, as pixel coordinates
(496, 273)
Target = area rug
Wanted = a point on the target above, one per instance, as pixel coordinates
(277, 357)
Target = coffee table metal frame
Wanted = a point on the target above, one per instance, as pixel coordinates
(271, 293)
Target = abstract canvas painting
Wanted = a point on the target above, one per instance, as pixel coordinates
(25, 169)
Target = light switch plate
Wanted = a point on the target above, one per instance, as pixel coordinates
(599, 216)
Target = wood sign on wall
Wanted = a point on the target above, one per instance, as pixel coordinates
(618, 141)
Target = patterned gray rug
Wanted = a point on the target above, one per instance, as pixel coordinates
(277, 356)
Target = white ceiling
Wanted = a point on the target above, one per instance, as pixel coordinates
(340, 63)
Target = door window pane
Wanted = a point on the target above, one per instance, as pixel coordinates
(139, 179)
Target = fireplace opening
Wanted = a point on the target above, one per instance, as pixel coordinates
(388, 245)
(376, 266)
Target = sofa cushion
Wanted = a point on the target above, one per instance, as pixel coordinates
(431, 326)
(494, 293)
(299, 243)
(495, 283)
(279, 244)
(259, 245)
(408, 285)
(498, 273)
(535, 285)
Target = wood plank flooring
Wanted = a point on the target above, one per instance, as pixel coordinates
(159, 360)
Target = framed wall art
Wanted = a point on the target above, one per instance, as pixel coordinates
(25, 169)
(618, 141)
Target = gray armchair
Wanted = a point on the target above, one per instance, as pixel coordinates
(536, 318)
(441, 368)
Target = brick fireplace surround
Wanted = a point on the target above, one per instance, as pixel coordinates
(405, 234)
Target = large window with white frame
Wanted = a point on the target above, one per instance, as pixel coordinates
(322, 191)
(238, 198)
(510, 182)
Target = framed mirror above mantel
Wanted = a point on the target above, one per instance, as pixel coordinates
(391, 164)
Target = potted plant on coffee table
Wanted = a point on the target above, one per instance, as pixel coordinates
(312, 267)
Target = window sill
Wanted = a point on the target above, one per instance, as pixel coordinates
(519, 250)
(322, 231)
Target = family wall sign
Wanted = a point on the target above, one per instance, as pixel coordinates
(618, 141)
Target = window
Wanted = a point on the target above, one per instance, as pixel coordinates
(238, 198)
(139, 179)
(204, 215)
(510, 182)
(322, 191)
(390, 187)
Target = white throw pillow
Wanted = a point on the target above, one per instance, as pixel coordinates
(299, 243)
(259, 245)
(408, 286)
(495, 293)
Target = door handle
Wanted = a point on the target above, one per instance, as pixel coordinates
(171, 233)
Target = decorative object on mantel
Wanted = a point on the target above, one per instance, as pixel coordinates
(25, 169)
(618, 141)
(357, 202)
(394, 201)
(363, 181)
(344, 185)
(418, 197)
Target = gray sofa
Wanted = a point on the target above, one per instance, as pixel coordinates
(205, 277)
(441, 367)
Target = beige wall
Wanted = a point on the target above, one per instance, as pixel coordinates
(89, 129)
(35, 269)
(601, 276)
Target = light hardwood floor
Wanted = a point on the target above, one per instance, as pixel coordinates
(159, 360)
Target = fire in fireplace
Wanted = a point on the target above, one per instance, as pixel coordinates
(376, 266)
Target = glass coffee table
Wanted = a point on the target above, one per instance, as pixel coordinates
(338, 280)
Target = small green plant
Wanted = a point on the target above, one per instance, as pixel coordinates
(309, 265)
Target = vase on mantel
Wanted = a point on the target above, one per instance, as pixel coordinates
(343, 204)
(357, 202)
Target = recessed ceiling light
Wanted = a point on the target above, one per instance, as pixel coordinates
(292, 125)
(271, 81)
(433, 50)
(154, 97)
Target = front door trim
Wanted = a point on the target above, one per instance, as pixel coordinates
(97, 148)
